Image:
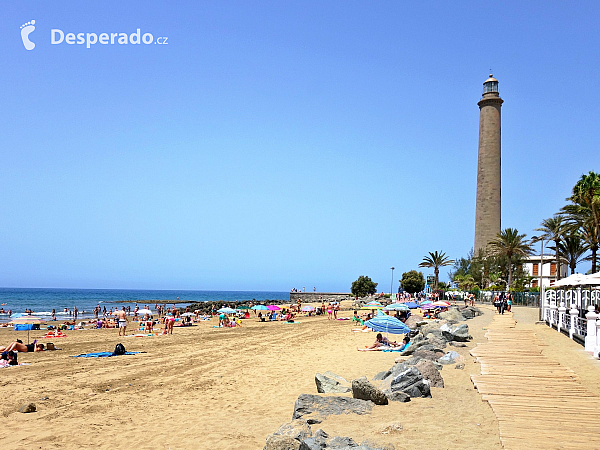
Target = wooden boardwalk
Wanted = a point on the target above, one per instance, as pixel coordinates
(539, 403)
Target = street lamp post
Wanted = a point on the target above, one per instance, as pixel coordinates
(392, 284)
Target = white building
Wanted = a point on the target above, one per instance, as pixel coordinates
(546, 274)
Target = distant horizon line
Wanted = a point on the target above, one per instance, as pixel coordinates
(143, 289)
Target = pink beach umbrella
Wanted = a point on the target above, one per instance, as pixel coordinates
(273, 307)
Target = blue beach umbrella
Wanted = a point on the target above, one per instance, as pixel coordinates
(411, 305)
(260, 308)
(226, 310)
(387, 324)
(396, 307)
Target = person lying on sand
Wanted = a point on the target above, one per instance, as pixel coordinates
(380, 341)
(393, 347)
(23, 348)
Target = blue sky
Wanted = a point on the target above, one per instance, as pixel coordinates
(272, 145)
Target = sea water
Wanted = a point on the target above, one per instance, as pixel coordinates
(43, 301)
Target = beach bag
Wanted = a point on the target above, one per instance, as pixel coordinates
(119, 349)
(50, 346)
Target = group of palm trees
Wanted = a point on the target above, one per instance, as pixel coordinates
(575, 229)
(572, 232)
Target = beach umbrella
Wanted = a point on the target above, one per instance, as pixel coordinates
(428, 306)
(308, 308)
(273, 308)
(441, 303)
(188, 314)
(226, 310)
(387, 324)
(396, 307)
(144, 311)
(26, 320)
(426, 302)
(260, 308)
(577, 279)
(412, 305)
(374, 303)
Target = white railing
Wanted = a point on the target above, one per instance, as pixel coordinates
(572, 311)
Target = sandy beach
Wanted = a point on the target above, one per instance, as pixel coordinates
(212, 388)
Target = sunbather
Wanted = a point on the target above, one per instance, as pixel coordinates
(380, 341)
(24, 348)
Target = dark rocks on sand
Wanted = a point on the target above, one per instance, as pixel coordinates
(453, 315)
(470, 311)
(279, 442)
(362, 389)
(398, 396)
(428, 354)
(430, 373)
(458, 333)
(28, 408)
(449, 358)
(330, 383)
(341, 442)
(414, 321)
(460, 366)
(457, 344)
(437, 340)
(411, 382)
(385, 384)
(314, 408)
(298, 429)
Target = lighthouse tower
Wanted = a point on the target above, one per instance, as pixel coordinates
(488, 206)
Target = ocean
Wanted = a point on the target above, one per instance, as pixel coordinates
(43, 301)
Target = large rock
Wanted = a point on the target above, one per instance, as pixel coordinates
(470, 311)
(458, 333)
(330, 383)
(298, 429)
(428, 354)
(316, 442)
(430, 327)
(340, 442)
(398, 396)
(315, 408)
(437, 341)
(449, 358)
(430, 373)
(384, 381)
(362, 389)
(414, 321)
(279, 442)
(411, 382)
(453, 315)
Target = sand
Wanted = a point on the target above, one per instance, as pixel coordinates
(210, 388)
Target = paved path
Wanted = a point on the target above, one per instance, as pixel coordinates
(539, 403)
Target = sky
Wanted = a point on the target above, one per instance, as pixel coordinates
(270, 145)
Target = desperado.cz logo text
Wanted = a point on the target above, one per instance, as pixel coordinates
(58, 37)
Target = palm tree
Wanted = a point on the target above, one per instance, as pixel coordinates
(436, 260)
(511, 245)
(571, 250)
(553, 229)
(583, 214)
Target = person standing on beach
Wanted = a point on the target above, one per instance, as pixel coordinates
(122, 318)
(75, 311)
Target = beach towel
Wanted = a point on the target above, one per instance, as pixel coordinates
(101, 354)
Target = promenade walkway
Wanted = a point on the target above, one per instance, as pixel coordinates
(539, 403)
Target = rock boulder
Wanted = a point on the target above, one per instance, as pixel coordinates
(430, 373)
(315, 408)
(330, 383)
(362, 389)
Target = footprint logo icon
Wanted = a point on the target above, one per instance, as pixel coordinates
(26, 30)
